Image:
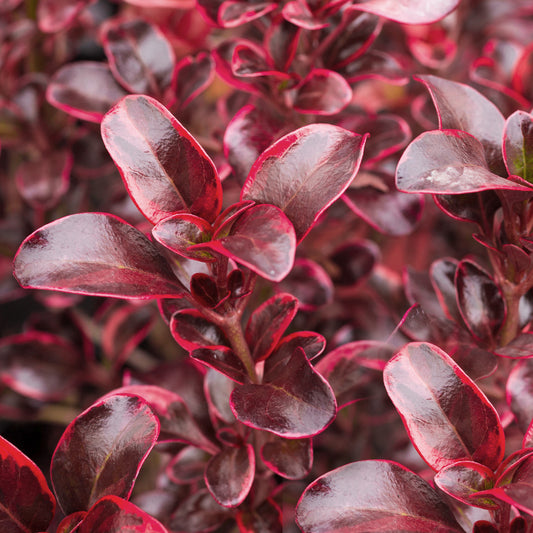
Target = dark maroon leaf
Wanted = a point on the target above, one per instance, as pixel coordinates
(249, 61)
(26, 503)
(281, 43)
(476, 207)
(97, 254)
(353, 369)
(289, 458)
(218, 388)
(56, 15)
(140, 56)
(229, 475)
(70, 522)
(376, 65)
(268, 323)
(520, 346)
(112, 514)
(188, 466)
(225, 220)
(43, 182)
(266, 518)
(224, 360)
(192, 76)
(460, 107)
(102, 451)
(177, 422)
(323, 92)
(354, 262)
(191, 330)
(165, 170)
(205, 291)
(518, 145)
(249, 132)
(484, 526)
(462, 480)
(480, 300)
(305, 172)
(311, 343)
(447, 416)
(310, 284)
(199, 513)
(39, 365)
(262, 239)
(442, 273)
(374, 197)
(85, 90)
(520, 393)
(378, 496)
(448, 162)
(293, 400)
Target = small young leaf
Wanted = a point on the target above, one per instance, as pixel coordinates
(96, 254)
(518, 145)
(192, 76)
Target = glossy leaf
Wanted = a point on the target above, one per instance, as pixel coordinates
(218, 389)
(409, 12)
(289, 458)
(442, 273)
(354, 262)
(460, 107)
(311, 343)
(323, 92)
(85, 90)
(192, 76)
(224, 360)
(447, 416)
(102, 451)
(462, 480)
(264, 518)
(69, 523)
(305, 172)
(378, 496)
(520, 393)
(56, 15)
(299, 13)
(262, 239)
(26, 503)
(140, 56)
(520, 346)
(229, 475)
(268, 323)
(233, 13)
(187, 466)
(97, 254)
(112, 514)
(191, 330)
(165, 170)
(448, 162)
(480, 300)
(518, 145)
(292, 401)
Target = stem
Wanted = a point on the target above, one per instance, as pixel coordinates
(511, 326)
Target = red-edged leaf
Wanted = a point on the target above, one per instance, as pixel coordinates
(462, 480)
(480, 300)
(477, 207)
(261, 239)
(43, 182)
(70, 522)
(289, 458)
(249, 61)
(323, 92)
(305, 172)
(192, 76)
(85, 90)
(191, 330)
(112, 514)
(57, 15)
(377, 496)
(520, 346)
(188, 466)
(268, 323)
(447, 416)
(173, 4)
(299, 13)
(311, 343)
(281, 43)
(409, 11)
(354, 262)
(102, 451)
(224, 360)
(442, 273)
(165, 170)
(229, 474)
(26, 503)
(177, 422)
(448, 162)
(264, 518)
(97, 254)
(518, 145)
(293, 400)
(460, 107)
(520, 392)
(39, 365)
(218, 389)
(140, 56)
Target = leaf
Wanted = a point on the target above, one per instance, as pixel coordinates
(378, 496)
(187, 466)
(299, 13)
(85, 90)
(322, 92)
(448, 162)
(447, 416)
(112, 514)
(461, 107)
(224, 360)
(56, 15)
(264, 518)
(69, 523)
(518, 145)
(519, 392)
(480, 301)
(304, 172)
(520, 346)
(267, 324)
(140, 56)
(165, 170)
(26, 503)
(191, 330)
(293, 400)
(442, 273)
(192, 76)
(409, 11)
(289, 458)
(102, 451)
(96, 254)
(229, 475)
(261, 239)
(354, 262)
(464, 479)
